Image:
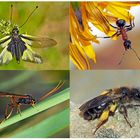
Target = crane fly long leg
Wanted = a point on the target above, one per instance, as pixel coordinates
(59, 85)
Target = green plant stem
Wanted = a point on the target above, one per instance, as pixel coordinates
(39, 107)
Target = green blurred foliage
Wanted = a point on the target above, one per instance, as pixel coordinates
(51, 20)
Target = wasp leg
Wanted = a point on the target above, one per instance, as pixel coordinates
(115, 34)
(113, 109)
(102, 120)
(131, 105)
(18, 109)
(123, 111)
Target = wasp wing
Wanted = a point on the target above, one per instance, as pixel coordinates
(6, 94)
(95, 102)
(43, 42)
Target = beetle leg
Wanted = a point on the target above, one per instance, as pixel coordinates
(123, 111)
(102, 120)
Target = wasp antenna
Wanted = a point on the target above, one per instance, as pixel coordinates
(59, 85)
(122, 58)
(11, 14)
(29, 17)
(135, 53)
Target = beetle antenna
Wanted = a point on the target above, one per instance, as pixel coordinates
(29, 17)
(135, 53)
(122, 58)
(11, 15)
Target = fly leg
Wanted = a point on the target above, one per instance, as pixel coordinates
(123, 111)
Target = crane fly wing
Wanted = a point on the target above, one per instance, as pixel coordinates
(43, 42)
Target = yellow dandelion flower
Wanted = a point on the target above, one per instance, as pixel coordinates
(100, 15)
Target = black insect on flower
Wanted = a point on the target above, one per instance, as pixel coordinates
(18, 45)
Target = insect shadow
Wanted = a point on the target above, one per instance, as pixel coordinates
(18, 45)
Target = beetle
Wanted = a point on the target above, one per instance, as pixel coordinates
(19, 45)
(106, 104)
(16, 101)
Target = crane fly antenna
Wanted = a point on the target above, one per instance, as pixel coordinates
(29, 17)
(59, 85)
(122, 58)
(11, 15)
(135, 53)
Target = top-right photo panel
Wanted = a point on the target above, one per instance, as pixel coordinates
(104, 35)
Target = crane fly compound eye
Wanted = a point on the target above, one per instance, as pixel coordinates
(120, 23)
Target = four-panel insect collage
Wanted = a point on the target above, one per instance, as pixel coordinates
(69, 69)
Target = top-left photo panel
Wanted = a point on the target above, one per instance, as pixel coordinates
(34, 35)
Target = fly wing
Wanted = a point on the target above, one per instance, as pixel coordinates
(43, 42)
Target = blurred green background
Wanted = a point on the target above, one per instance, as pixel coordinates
(51, 20)
(34, 83)
(86, 85)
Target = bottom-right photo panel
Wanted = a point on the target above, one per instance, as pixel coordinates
(105, 104)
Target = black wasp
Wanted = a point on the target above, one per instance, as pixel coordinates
(19, 45)
(121, 29)
(106, 104)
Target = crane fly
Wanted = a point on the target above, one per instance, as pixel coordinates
(16, 101)
(18, 45)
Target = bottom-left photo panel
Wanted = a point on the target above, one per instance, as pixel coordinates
(34, 104)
